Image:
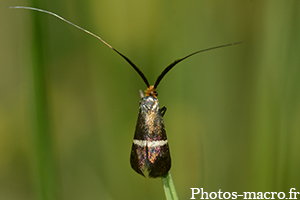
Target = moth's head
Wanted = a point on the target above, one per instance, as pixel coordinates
(151, 92)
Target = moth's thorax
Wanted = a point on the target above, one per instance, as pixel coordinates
(149, 104)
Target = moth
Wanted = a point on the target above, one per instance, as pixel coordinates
(150, 153)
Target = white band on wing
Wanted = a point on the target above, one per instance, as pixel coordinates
(143, 143)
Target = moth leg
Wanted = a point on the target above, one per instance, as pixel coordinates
(163, 110)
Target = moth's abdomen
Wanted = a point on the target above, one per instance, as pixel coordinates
(150, 155)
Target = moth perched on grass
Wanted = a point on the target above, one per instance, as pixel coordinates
(150, 154)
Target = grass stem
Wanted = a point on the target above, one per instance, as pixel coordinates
(169, 187)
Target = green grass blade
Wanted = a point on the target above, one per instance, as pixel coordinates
(169, 187)
(44, 167)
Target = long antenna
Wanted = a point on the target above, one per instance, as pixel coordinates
(90, 33)
(167, 69)
(159, 78)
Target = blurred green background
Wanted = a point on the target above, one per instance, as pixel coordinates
(69, 104)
